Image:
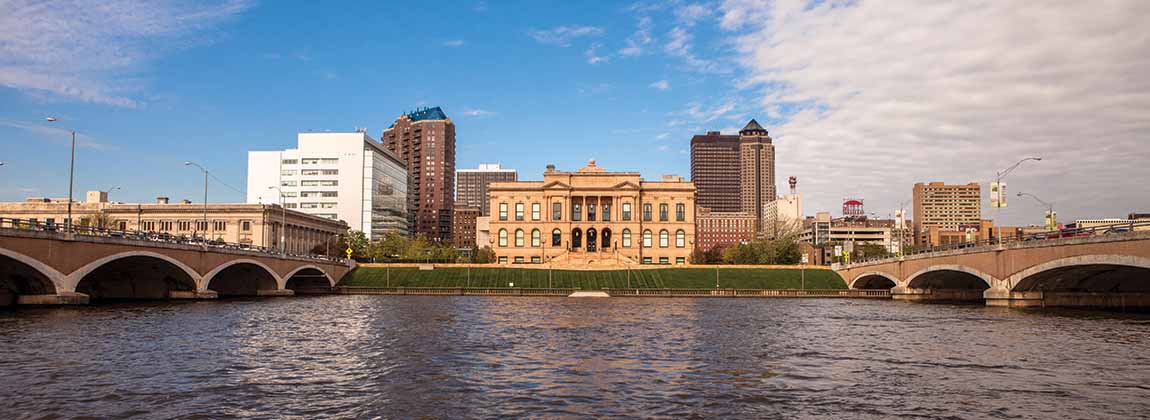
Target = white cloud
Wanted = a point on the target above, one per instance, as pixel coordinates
(453, 43)
(664, 148)
(699, 113)
(56, 135)
(476, 112)
(679, 44)
(662, 136)
(661, 85)
(690, 14)
(562, 35)
(593, 57)
(92, 51)
(641, 38)
(878, 95)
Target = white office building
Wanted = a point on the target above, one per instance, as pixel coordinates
(341, 176)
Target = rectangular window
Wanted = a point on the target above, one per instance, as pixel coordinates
(576, 212)
(591, 213)
(148, 226)
(536, 260)
(201, 226)
(502, 211)
(606, 212)
(287, 183)
(556, 211)
(536, 211)
(519, 260)
(166, 226)
(246, 225)
(680, 260)
(289, 161)
(646, 260)
(626, 212)
(219, 225)
(680, 212)
(329, 194)
(503, 260)
(519, 212)
(288, 172)
(664, 260)
(647, 212)
(662, 212)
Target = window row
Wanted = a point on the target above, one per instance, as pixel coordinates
(592, 212)
(626, 240)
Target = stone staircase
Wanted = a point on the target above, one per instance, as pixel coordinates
(590, 260)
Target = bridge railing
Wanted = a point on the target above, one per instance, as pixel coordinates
(1068, 233)
(148, 236)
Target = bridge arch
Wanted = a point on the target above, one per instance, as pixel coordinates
(874, 280)
(24, 275)
(307, 277)
(242, 277)
(134, 275)
(1085, 273)
(950, 276)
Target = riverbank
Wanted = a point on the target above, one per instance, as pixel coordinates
(639, 278)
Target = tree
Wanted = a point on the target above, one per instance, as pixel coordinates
(871, 251)
(484, 255)
(359, 244)
(740, 254)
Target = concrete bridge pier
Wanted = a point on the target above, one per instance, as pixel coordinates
(192, 294)
(276, 292)
(1124, 301)
(62, 298)
(930, 295)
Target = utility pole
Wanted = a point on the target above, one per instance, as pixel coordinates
(998, 196)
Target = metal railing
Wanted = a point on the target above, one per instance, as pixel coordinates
(148, 236)
(454, 291)
(1069, 233)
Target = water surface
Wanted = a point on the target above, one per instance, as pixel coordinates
(479, 357)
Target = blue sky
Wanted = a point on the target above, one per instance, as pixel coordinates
(863, 101)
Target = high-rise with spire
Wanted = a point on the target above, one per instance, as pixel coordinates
(735, 173)
(425, 140)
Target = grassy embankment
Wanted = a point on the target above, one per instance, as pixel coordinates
(668, 278)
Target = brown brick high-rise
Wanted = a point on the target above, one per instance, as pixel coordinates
(735, 173)
(425, 140)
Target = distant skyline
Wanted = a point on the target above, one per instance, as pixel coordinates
(863, 99)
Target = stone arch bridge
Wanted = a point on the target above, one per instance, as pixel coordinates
(1096, 271)
(39, 267)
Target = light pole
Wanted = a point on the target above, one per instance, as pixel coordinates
(283, 220)
(71, 177)
(1051, 222)
(205, 171)
(998, 204)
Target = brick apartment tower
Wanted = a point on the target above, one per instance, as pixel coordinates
(944, 207)
(735, 173)
(425, 140)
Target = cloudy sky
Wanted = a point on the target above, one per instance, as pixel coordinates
(863, 98)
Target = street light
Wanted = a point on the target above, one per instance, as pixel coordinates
(1051, 222)
(283, 220)
(71, 177)
(998, 184)
(205, 171)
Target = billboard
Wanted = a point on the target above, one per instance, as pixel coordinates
(853, 207)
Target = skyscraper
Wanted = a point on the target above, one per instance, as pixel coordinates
(471, 185)
(425, 140)
(735, 173)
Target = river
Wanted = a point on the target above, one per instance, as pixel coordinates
(475, 357)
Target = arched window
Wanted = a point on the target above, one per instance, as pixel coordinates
(647, 238)
(662, 212)
(576, 239)
(556, 237)
(519, 237)
(502, 237)
(664, 238)
(680, 239)
(536, 238)
(626, 238)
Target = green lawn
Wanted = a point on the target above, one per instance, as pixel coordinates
(670, 278)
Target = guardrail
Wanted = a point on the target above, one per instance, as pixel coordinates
(759, 293)
(1113, 229)
(515, 291)
(151, 237)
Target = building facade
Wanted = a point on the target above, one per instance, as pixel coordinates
(338, 176)
(783, 216)
(593, 216)
(425, 140)
(942, 208)
(463, 227)
(735, 173)
(257, 225)
(723, 229)
(471, 185)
